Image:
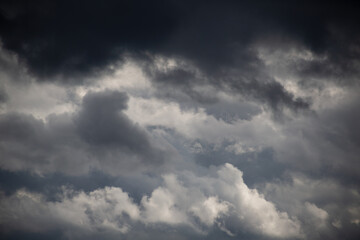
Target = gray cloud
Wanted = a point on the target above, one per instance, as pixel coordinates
(182, 84)
(326, 143)
(326, 208)
(3, 95)
(197, 87)
(101, 123)
(100, 137)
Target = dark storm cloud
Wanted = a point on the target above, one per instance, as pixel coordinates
(219, 38)
(63, 37)
(100, 137)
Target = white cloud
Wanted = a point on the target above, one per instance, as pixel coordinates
(252, 208)
(210, 209)
(161, 205)
(222, 200)
(103, 209)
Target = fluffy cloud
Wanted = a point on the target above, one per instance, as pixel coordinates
(222, 200)
(108, 209)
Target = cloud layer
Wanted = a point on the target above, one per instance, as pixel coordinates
(179, 119)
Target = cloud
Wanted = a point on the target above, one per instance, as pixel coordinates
(222, 200)
(99, 210)
(145, 111)
(100, 122)
(319, 215)
(76, 143)
(80, 40)
(321, 205)
(194, 84)
(211, 37)
(3, 95)
(327, 142)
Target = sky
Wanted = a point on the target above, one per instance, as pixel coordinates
(180, 120)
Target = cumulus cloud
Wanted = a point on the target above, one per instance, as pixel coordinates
(222, 200)
(106, 209)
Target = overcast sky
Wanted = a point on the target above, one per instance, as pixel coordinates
(180, 120)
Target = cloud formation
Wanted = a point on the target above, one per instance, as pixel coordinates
(223, 201)
(179, 119)
(99, 136)
(220, 39)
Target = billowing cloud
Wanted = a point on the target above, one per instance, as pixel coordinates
(131, 120)
(222, 200)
